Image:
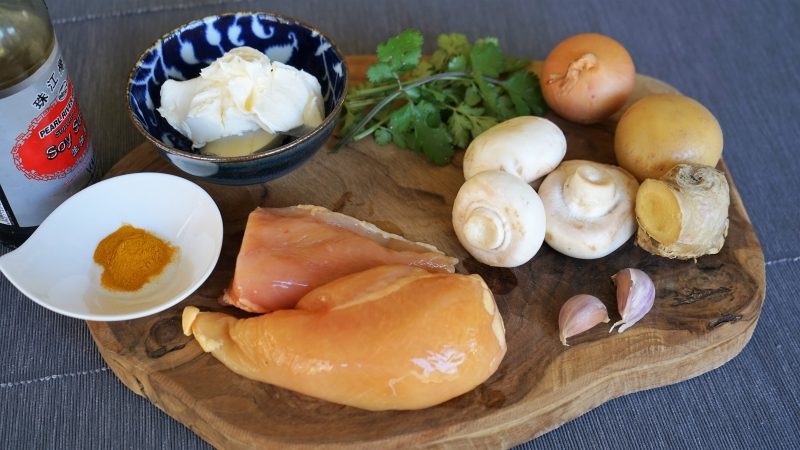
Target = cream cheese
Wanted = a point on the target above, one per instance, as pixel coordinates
(238, 94)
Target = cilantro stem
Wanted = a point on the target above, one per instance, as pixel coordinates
(371, 129)
(357, 104)
(354, 132)
(374, 90)
(449, 96)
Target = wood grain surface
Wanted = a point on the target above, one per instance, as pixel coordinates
(705, 313)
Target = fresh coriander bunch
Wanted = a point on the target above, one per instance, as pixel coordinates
(435, 106)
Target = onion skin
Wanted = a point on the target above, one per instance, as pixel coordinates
(587, 77)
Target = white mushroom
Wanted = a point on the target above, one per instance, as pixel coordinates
(499, 219)
(589, 207)
(527, 146)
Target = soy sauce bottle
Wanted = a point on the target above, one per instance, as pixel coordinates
(45, 153)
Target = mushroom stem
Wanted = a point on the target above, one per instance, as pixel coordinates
(484, 229)
(499, 219)
(589, 192)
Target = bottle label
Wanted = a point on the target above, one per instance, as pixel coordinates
(45, 153)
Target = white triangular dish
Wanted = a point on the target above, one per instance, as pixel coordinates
(55, 266)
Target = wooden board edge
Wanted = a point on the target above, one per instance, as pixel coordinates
(479, 436)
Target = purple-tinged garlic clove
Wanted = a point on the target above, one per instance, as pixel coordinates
(579, 314)
(635, 296)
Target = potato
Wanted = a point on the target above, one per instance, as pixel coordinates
(660, 131)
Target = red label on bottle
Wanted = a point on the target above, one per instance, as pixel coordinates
(55, 141)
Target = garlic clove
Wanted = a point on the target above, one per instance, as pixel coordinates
(635, 296)
(579, 314)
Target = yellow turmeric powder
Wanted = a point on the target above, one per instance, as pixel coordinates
(130, 257)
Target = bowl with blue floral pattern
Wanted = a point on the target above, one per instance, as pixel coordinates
(183, 52)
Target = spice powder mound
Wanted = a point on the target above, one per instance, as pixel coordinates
(131, 257)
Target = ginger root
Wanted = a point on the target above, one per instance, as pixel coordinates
(684, 214)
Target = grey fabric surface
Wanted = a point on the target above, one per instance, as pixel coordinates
(737, 57)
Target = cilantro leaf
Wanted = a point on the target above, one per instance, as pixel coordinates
(505, 107)
(472, 95)
(460, 127)
(525, 92)
(419, 127)
(383, 136)
(379, 72)
(436, 95)
(424, 69)
(514, 64)
(413, 94)
(398, 55)
(439, 60)
(488, 92)
(435, 143)
(450, 46)
(431, 138)
(457, 63)
(487, 58)
(427, 112)
(466, 123)
(481, 124)
(401, 125)
(453, 44)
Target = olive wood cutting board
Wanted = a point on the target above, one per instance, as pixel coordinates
(704, 314)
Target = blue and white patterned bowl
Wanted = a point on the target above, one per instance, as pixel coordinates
(181, 53)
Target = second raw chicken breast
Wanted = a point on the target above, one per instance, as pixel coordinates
(287, 252)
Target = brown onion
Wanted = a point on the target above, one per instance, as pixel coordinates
(588, 77)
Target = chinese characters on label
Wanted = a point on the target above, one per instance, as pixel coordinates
(52, 82)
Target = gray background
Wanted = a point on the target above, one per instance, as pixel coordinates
(739, 58)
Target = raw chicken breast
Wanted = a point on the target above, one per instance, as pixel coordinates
(287, 252)
(391, 337)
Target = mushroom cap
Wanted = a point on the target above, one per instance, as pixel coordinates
(593, 229)
(499, 219)
(526, 146)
